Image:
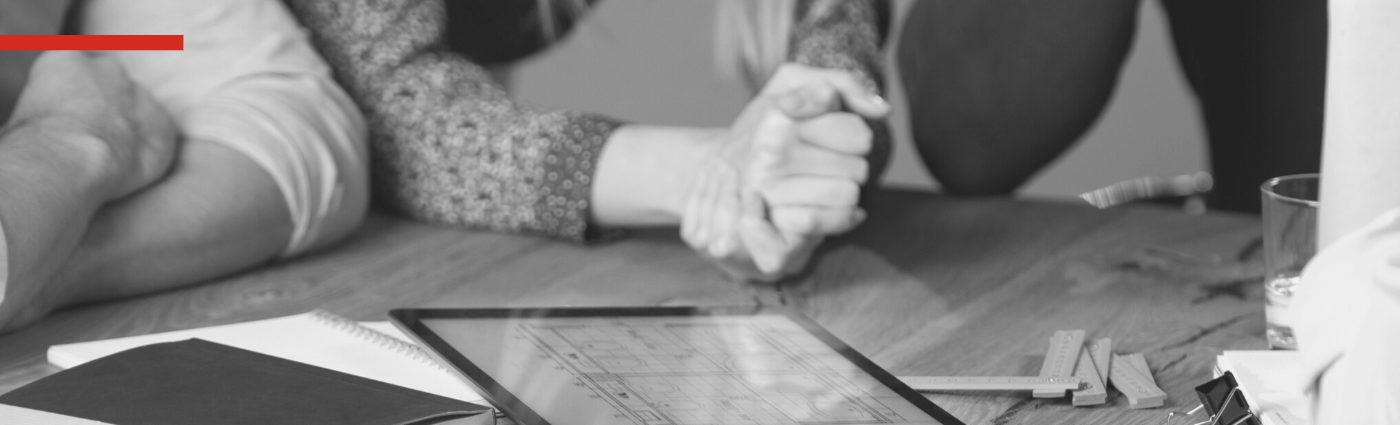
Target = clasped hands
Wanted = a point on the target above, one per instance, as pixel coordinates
(82, 134)
(787, 174)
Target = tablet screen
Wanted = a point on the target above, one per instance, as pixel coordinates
(681, 369)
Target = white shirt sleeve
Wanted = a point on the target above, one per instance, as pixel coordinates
(250, 79)
(1348, 328)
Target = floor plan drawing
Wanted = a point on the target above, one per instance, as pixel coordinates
(661, 373)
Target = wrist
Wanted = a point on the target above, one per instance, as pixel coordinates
(646, 172)
(702, 148)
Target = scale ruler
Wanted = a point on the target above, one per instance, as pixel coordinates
(1094, 373)
(992, 383)
(1060, 359)
(1101, 351)
(1093, 392)
(1139, 363)
(1141, 389)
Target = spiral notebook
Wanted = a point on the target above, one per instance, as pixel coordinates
(317, 338)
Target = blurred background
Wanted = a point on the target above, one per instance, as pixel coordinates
(651, 61)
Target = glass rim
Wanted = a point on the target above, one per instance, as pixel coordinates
(1267, 189)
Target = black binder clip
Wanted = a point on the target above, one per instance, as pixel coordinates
(1223, 401)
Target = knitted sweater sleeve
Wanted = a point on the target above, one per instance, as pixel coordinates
(840, 34)
(846, 35)
(448, 144)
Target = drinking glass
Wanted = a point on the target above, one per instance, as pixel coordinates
(1290, 240)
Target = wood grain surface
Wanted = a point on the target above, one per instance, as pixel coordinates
(929, 285)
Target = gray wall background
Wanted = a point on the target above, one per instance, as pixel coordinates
(651, 61)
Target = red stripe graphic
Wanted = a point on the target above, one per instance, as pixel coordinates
(92, 42)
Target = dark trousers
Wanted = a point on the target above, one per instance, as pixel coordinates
(999, 88)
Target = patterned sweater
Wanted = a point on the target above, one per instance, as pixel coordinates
(449, 145)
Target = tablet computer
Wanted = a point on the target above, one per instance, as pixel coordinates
(665, 366)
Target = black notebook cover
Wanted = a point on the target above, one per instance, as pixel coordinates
(200, 382)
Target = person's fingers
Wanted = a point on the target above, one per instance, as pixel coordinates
(817, 162)
(766, 247)
(774, 134)
(725, 214)
(809, 101)
(690, 220)
(854, 93)
(815, 221)
(54, 75)
(153, 123)
(707, 198)
(811, 191)
(841, 132)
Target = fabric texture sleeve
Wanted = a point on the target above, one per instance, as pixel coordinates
(448, 145)
(847, 35)
(841, 34)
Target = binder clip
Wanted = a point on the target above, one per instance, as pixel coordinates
(1222, 399)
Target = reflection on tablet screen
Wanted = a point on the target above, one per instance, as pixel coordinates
(682, 370)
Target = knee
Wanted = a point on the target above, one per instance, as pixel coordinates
(976, 177)
(976, 160)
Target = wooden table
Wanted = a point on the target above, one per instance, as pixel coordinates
(928, 286)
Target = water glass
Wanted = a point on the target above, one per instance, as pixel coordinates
(1290, 240)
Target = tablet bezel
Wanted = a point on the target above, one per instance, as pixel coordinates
(411, 321)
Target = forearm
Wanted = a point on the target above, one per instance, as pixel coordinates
(1361, 141)
(216, 213)
(51, 184)
(644, 173)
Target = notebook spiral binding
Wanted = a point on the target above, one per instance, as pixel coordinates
(379, 338)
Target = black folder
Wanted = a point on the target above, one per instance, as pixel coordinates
(201, 382)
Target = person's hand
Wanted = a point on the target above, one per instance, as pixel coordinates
(787, 174)
(89, 99)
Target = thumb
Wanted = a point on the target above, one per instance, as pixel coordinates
(856, 95)
(809, 101)
(766, 247)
